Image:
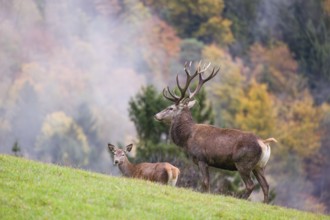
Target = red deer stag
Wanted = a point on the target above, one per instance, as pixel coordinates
(207, 145)
(164, 173)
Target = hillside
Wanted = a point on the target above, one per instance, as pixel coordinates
(33, 190)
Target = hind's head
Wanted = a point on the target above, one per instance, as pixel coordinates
(119, 155)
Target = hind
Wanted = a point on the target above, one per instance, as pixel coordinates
(173, 174)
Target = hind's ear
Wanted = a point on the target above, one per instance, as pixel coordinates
(111, 148)
(129, 147)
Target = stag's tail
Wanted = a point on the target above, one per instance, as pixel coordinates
(265, 151)
(269, 140)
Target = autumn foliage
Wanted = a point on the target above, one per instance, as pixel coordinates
(71, 74)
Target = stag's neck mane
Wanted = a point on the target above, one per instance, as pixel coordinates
(127, 168)
(181, 127)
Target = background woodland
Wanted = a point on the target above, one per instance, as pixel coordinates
(75, 75)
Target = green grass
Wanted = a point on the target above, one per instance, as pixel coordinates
(33, 190)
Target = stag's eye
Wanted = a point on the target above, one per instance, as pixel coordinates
(170, 108)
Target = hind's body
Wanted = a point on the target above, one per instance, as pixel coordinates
(164, 173)
(156, 172)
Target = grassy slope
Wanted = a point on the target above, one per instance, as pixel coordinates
(32, 190)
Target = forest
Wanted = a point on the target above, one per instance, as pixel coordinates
(76, 75)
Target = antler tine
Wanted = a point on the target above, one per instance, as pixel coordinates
(213, 74)
(172, 97)
(205, 67)
(202, 81)
(189, 78)
(173, 94)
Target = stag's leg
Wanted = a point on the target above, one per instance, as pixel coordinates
(248, 184)
(204, 169)
(259, 173)
(246, 176)
(245, 161)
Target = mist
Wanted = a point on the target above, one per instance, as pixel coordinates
(55, 58)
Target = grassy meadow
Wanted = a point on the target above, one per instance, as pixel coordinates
(34, 190)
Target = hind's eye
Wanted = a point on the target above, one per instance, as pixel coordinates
(170, 108)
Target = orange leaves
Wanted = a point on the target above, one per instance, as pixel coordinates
(283, 109)
(159, 45)
(276, 67)
(277, 56)
(326, 6)
(296, 115)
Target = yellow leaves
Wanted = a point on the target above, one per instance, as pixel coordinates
(60, 133)
(297, 119)
(256, 111)
(291, 117)
(217, 29)
(229, 88)
(210, 7)
(223, 59)
(299, 123)
(135, 12)
(56, 123)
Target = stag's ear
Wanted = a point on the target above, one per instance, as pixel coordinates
(111, 148)
(129, 147)
(191, 104)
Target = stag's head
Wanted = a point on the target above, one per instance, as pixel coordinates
(184, 100)
(119, 155)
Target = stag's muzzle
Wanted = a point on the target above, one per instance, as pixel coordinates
(156, 117)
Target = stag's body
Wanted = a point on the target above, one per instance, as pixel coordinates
(217, 147)
(207, 145)
(164, 173)
(227, 149)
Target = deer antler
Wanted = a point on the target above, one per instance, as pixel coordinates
(202, 81)
(189, 77)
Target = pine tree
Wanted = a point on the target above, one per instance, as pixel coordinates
(16, 149)
(153, 145)
(87, 121)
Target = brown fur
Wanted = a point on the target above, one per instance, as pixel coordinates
(207, 145)
(164, 173)
(227, 149)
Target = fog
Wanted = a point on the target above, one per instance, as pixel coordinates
(59, 55)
